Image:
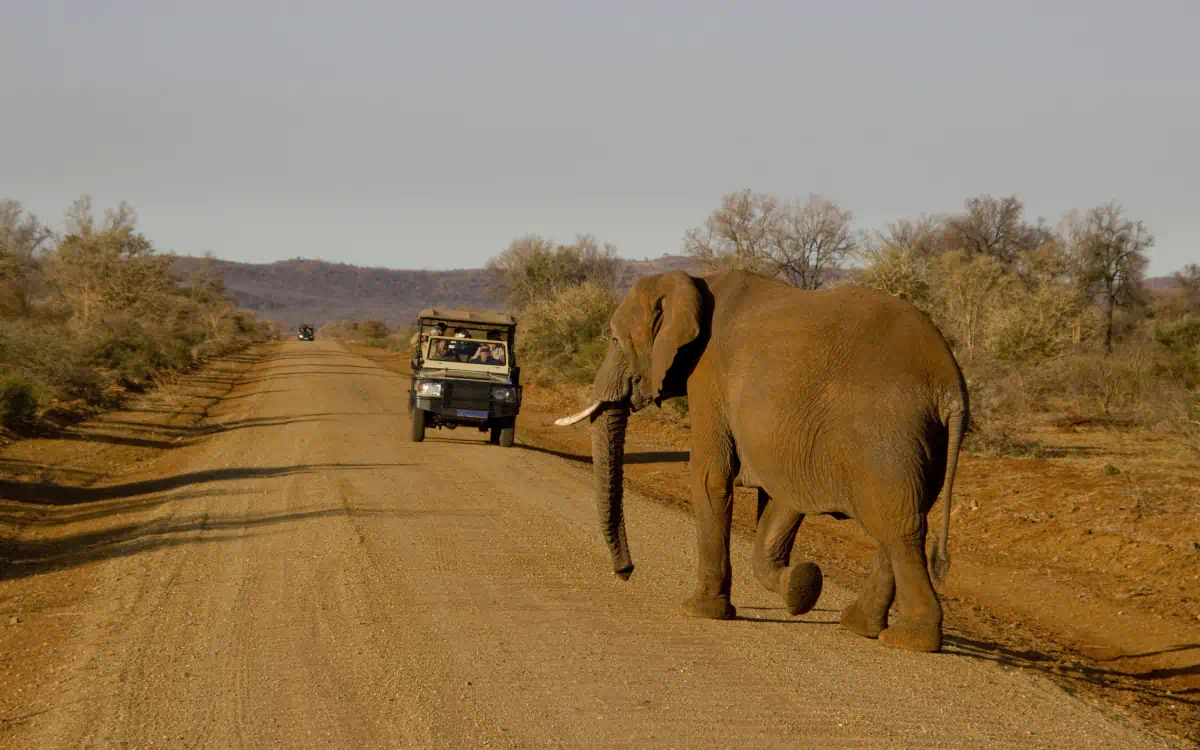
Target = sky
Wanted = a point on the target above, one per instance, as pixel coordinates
(429, 135)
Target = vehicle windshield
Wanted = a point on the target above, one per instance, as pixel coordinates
(467, 351)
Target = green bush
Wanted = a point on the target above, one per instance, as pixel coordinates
(562, 338)
(18, 402)
(1182, 335)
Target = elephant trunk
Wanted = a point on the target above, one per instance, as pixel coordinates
(608, 451)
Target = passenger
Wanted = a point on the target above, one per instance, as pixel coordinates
(439, 350)
(461, 349)
(497, 357)
(480, 357)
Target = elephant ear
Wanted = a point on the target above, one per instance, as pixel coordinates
(677, 311)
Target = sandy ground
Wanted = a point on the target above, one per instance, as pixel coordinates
(261, 558)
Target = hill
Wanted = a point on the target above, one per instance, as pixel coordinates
(316, 291)
(319, 292)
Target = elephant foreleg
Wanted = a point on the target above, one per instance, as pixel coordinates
(799, 584)
(868, 615)
(712, 504)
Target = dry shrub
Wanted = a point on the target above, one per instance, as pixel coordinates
(562, 337)
(51, 357)
(100, 312)
(898, 270)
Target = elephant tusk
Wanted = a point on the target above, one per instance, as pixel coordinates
(586, 412)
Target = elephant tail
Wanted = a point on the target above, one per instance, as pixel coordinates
(940, 564)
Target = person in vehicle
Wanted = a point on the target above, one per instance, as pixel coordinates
(497, 355)
(439, 351)
(481, 355)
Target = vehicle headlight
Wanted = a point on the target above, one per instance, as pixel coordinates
(504, 393)
(427, 388)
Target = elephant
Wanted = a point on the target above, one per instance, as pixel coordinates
(844, 401)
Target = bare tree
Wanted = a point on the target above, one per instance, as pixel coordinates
(23, 238)
(1188, 279)
(81, 222)
(923, 237)
(78, 217)
(1111, 252)
(800, 242)
(113, 270)
(533, 268)
(995, 227)
(592, 262)
(206, 284)
(810, 240)
(966, 291)
(739, 234)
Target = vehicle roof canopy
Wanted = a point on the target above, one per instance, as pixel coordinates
(477, 317)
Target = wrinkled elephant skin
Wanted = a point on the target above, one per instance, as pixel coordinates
(846, 401)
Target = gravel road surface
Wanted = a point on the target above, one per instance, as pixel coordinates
(315, 580)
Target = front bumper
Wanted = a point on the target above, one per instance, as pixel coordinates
(467, 412)
(468, 402)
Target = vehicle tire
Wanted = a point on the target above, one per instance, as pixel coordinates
(507, 435)
(494, 436)
(418, 425)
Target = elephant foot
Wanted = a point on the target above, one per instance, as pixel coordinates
(925, 637)
(801, 584)
(710, 607)
(858, 622)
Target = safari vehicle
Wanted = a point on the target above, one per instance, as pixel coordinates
(306, 332)
(464, 373)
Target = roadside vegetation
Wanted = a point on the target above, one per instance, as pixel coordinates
(373, 333)
(1049, 322)
(563, 297)
(96, 312)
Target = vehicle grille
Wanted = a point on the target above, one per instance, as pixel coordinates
(459, 393)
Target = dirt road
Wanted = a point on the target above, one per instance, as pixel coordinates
(291, 571)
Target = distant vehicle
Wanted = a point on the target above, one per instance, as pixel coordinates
(306, 332)
(464, 373)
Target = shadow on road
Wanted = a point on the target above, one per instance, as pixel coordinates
(631, 457)
(131, 539)
(1127, 681)
(51, 494)
(174, 436)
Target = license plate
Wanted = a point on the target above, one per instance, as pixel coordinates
(472, 414)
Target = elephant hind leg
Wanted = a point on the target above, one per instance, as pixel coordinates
(868, 615)
(920, 622)
(799, 584)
